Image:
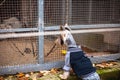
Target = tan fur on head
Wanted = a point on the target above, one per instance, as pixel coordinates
(62, 28)
(61, 39)
(65, 27)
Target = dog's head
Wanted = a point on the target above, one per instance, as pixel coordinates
(63, 38)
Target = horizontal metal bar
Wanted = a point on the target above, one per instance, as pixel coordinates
(47, 66)
(58, 27)
(84, 26)
(29, 34)
(18, 30)
(29, 67)
(108, 57)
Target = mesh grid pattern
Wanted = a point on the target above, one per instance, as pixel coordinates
(18, 14)
(18, 51)
(93, 44)
(56, 53)
(53, 12)
(99, 42)
(81, 12)
(77, 12)
(23, 14)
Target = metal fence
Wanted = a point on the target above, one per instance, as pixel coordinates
(23, 49)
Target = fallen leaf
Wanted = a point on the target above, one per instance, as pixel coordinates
(31, 73)
(1, 78)
(34, 76)
(23, 78)
(40, 75)
(100, 65)
(53, 70)
(114, 63)
(27, 75)
(45, 72)
(20, 75)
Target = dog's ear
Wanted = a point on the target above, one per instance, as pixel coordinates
(67, 27)
(62, 28)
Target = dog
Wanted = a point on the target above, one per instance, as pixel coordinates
(75, 58)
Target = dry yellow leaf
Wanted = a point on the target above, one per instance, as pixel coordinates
(1, 78)
(20, 75)
(53, 70)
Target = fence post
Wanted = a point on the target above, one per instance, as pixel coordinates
(41, 29)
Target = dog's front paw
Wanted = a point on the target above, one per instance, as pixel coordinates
(65, 75)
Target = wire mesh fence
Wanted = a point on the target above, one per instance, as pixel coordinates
(53, 12)
(18, 14)
(26, 45)
(55, 53)
(18, 51)
(93, 44)
(99, 41)
(84, 12)
(81, 12)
